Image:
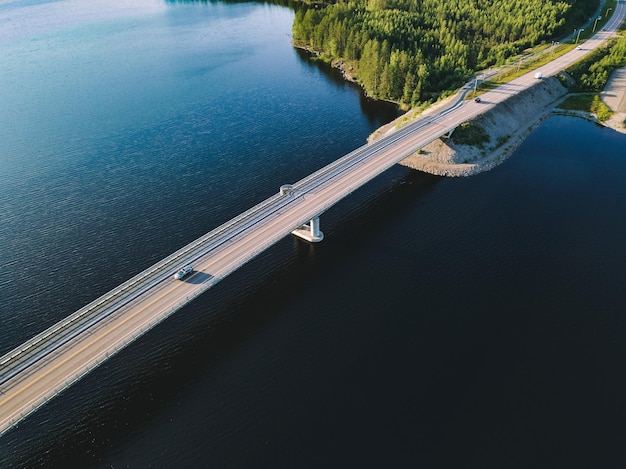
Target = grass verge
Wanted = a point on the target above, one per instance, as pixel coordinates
(589, 102)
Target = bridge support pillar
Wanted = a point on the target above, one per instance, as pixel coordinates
(310, 231)
(449, 134)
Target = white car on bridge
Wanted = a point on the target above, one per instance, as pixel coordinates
(183, 272)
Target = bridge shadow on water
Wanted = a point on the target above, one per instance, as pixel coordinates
(198, 278)
(376, 205)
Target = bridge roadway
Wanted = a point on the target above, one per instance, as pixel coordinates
(41, 368)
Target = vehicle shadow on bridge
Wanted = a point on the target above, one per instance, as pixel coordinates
(198, 278)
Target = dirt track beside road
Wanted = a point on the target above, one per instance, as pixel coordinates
(614, 94)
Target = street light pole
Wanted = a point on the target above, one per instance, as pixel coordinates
(595, 23)
(578, 35)
(476, 83)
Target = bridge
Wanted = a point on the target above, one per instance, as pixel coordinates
(41, 368)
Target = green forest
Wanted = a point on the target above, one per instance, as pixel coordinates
(592, 73)
(410, 51)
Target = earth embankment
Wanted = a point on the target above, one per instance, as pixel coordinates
(507, 125)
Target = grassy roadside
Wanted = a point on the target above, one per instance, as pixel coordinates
(589, 75)
(588, 102)
(542, 54)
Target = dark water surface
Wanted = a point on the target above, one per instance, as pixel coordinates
(474, 322)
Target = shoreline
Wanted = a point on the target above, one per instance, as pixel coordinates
(507, 125)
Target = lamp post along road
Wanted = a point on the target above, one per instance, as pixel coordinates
(476, 83)
(595, 23)
(578, 35)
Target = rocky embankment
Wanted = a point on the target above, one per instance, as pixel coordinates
(507, 125)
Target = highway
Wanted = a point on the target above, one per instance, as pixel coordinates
(41, 368)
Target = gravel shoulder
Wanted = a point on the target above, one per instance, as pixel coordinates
(614, 96)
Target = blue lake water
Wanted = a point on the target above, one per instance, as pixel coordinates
(474, 322)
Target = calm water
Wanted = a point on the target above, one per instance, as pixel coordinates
(442, 323)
